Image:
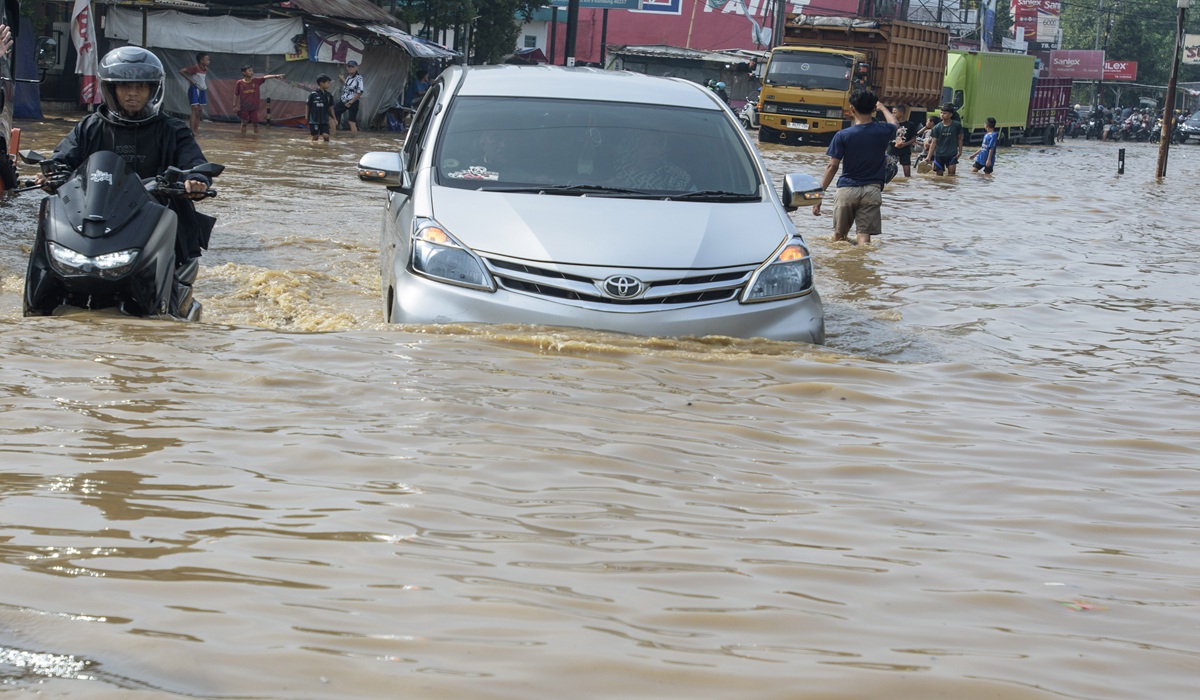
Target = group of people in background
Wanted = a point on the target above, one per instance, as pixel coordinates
(1119, 123)
(323, 112)
(862, 151)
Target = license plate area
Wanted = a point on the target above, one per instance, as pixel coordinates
(798, 124)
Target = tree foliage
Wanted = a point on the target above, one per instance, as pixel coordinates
(1131, 30)
(492, 24)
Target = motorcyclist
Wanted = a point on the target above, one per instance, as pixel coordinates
(720, 90)
(130, 124)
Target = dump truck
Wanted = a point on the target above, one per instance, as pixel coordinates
(805, 97)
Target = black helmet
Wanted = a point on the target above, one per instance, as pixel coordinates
(131, 64)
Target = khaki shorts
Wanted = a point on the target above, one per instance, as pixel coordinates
(858, 206)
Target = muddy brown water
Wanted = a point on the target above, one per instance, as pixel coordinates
(984, 486)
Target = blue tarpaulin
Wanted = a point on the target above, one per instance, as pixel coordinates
(27, 103)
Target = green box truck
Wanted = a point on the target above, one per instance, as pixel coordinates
(985, 84)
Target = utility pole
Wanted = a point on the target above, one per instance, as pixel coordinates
(1096, 47)
(1169, 109)
(572, 30)
(779, 23)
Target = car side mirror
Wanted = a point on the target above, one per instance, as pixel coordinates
(385, 168)
(801, 190)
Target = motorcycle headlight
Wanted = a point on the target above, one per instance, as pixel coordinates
(437, 255)
(788, 274)
(108, 266)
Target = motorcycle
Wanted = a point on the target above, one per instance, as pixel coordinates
(106, 239)
(1095, 129)
(1074, 127)
(748, 115)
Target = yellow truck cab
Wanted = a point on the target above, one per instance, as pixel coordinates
(806, 93)
(806, 90)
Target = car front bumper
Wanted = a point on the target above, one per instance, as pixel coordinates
(423, 301)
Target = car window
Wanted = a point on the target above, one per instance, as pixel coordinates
(505, 142)
(414, 145)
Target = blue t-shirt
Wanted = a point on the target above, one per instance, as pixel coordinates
(985, 151)
(862, 148)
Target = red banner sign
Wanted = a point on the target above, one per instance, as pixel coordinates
(1080, 65)
(1120, 70)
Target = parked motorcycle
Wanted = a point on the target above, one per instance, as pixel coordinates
(106, 239)
(748, 115)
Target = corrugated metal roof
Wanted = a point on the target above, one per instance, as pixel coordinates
(664, 51)
(345, 9)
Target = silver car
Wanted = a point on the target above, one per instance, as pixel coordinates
(593, 199)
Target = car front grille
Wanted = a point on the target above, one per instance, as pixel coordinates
(696, 288)
(800, 110)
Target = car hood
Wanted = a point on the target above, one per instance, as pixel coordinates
(610, 232)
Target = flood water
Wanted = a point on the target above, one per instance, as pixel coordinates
(986, 485)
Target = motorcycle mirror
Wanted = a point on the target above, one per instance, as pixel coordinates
(209, 169)
(31, 157)
(46, 52)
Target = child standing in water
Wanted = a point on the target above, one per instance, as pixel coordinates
(246, 98)
(320, 108)
(986, 158)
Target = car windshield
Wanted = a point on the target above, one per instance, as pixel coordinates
(592, 148)
(1194, 121)
(812, 71)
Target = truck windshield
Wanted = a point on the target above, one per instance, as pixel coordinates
(809, 70)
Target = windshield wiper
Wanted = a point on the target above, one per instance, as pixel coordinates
(571, 190)
(717, 196)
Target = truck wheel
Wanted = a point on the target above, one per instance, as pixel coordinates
(1049, 137)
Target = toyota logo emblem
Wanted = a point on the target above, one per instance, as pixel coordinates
(623, 287)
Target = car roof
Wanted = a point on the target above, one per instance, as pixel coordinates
(583, 84)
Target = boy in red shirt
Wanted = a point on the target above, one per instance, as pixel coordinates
(246, 98)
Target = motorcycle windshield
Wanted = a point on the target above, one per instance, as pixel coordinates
(108, 193)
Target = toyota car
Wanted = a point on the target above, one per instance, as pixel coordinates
(593, 199)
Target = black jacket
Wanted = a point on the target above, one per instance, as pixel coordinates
(149, 148)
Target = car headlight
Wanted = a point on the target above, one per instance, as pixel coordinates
(108, 266)
(437, 255)
(788, 274)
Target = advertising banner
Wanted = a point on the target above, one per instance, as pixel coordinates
(1040, 20)
(1080, 65)
(1120, 70)
(602, 4)
(1191, 49)
(83, 33)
